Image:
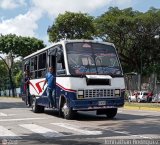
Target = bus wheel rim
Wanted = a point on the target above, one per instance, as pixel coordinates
(65, 109)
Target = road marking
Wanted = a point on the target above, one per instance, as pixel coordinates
(82, 131)
(20, 119)
(129, 134)
(7, 134)
(48, 133)
(142, 136)
(3, 114)
(12, 114)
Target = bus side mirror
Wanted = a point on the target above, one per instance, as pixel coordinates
(61, 72)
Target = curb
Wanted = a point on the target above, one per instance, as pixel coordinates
(141, 108)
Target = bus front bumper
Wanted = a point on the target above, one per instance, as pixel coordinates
(88, 104)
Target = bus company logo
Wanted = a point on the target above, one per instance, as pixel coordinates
(37, 87)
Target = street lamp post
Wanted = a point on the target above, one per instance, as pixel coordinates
(9, 75)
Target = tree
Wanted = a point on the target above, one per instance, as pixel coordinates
(17, 72)
(133, 33)
(18, 45)
(18, 78)
(72, 26)
(3, 75)
(9, 75)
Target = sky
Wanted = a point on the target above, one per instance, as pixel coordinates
(33, 17)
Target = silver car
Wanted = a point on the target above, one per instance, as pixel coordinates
(156, 98)
(142, 96)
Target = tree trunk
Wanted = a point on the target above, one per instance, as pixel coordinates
(11, 82)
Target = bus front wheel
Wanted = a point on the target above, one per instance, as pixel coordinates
(68, 113)
(37, 108)
(111, 112)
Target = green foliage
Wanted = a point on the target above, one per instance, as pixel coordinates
(18, 78)
(72, 26)
(17, 73)
(18, 45)
(133, 33)
(3, 75)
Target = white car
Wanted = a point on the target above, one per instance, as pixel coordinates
(142, 96)
(132, 98)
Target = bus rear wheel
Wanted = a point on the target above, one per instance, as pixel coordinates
(37, 108)
(111, 112)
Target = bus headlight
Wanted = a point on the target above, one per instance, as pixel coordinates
(80, 94)
(117, 92)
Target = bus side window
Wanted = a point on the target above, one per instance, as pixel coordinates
(26, 68)
(60, 65)
(56, 59)
(26, 65)
(42, 60)
(33, 67)
(52, 60)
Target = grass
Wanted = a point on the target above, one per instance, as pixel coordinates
(142, 106)
(9, 97)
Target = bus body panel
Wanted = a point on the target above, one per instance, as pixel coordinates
(77, 83)
(90, 103)
(68, 87)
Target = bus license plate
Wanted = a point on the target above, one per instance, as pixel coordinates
(100, 103)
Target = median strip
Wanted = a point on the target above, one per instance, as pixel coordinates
(142, 106)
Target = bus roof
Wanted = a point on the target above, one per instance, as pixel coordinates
(65, 41)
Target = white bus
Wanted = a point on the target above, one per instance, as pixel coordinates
(89, 76)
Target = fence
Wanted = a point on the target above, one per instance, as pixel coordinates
(136, 82)
(9, 92)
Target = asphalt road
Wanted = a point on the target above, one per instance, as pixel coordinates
(19, 125)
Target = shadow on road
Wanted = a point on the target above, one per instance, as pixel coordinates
(7, 105)
(91, 116)
(35, 139)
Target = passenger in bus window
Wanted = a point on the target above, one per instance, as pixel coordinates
(27, 78)
(50, 80)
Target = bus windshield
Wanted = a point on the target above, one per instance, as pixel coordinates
(92, 58)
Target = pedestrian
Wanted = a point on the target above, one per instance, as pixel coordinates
(26, 82)
(50, 80)
(149, 96)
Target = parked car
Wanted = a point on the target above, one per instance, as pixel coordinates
(149, 96)
(142, 96)
(156, 98)
(132, 98)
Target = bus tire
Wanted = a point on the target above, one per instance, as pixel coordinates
(111, 112)
(37, 108)
(67, 112)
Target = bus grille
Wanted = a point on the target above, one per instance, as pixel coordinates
(99, 93)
